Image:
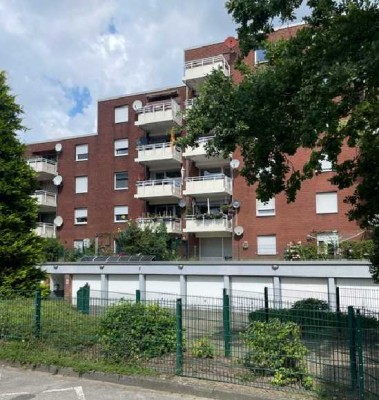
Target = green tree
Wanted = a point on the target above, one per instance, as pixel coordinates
(318, 91)
(154, 242)
(20, 248)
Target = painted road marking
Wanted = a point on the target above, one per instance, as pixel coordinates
(77, 389)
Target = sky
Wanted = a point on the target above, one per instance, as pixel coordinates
(61, 57)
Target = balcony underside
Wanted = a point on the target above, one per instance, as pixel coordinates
(201, 159)
(159, 164)
(155, 126)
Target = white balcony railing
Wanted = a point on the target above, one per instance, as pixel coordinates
(159, 113)
(189, 103)
(158, 152)
(173, 225)
(45, 230)
(45, 199)
(209, 223)
(195, 71)
(43, 166)
(199, 149)
(217, 184)
(165, 188)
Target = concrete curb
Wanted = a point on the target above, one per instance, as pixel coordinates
(160, 384)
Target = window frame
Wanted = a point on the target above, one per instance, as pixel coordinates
(256, 57)
(77, 178)
(76, 216)
(321, 208)
(77, 154)
(263, 209)
(115, 180)
(116, 149)
(263, 252)
(115, 214)
(119, 114)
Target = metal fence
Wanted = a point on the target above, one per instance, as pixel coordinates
(203, 337)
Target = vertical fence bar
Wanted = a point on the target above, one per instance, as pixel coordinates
(179, 338)
(226, 323)
(358, 331)
(37, 314)
(266, 303)
(353, 360)
(138, 296)
(338, 308)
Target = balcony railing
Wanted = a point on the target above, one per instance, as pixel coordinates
(164, 153)
(173, 225)
(195, 71)
(159, 114)
(217, 184)
(199, 149)
(159, 188)
(189, 103)
(45, 230)
(204, 224)
(45, 168)
(45, 199)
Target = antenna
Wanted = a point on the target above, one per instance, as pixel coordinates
(238, 230)
(230, 42)
(234, 164)
(58, 221)
(58, 147)
(236, 204)
(57, 180)
(182, 203)
(137, 104)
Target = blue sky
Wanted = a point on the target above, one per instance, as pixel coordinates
(62, 56)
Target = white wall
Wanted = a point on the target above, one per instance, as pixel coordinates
(358, 293)
(78, 281)
(248, 286)
(294, 289)
(119, 285)
(158, 287)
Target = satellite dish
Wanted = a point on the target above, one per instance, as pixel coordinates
(58, 147)
(230, 42)
(58, 221)
(238, 230)
(57, 180)
(182, 203)
(234, 164)
(236, 204)
(137, 104)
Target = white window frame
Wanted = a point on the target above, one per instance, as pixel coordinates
(81, 184)
(119, 212)
(79, 245)
(268, 249)
(121, 114)
(115, 180)
(327, 238)
(257, 62)
(81, 152)
(327, 203)
(81, 213)
(325, 164)
(265, 209)
(121, 147)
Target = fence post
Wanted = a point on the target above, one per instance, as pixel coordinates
(82, 299)
(360, 356)
(353, 360)
(226, 322)
(138, 296)
(37, 313)
(338, 308)
(179, 338)
(266, 303)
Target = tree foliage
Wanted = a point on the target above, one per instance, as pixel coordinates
(20, 248)
(154, 242)
(318, 91)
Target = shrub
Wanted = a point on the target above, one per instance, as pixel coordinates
(311, 304)
(275, 349)
(203, 348)
(357, 250)
(137, 331)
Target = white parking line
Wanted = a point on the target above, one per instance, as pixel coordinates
(13, 394)
(77, 389)
(79, 392)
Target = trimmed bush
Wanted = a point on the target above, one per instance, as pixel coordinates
(203, 348)
(311, 304)
(275, 349)
(137, 331)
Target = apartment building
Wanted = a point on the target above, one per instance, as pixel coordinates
(132, 170)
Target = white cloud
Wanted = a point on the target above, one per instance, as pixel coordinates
(48, 47)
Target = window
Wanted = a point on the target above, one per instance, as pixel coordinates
(266, 245)
(326, 203)
(120, 180)
(121, 213)
(265, 209)
(325, 164)
(121, 114)
(81, 151)
(81, 216)
(260, 56)
(81, 184)
(121, 147)
(327, 243)
(79, 245)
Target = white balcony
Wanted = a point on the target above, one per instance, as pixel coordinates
(196, 71)
(47, 201)
(173, 225)
(159, 117)
(45, 230)
(159, 191)
(209, 225)
(211, 186)
(159, 156)
(198, 154)
(46, 169)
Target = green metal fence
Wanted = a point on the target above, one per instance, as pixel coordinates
(201, 337)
